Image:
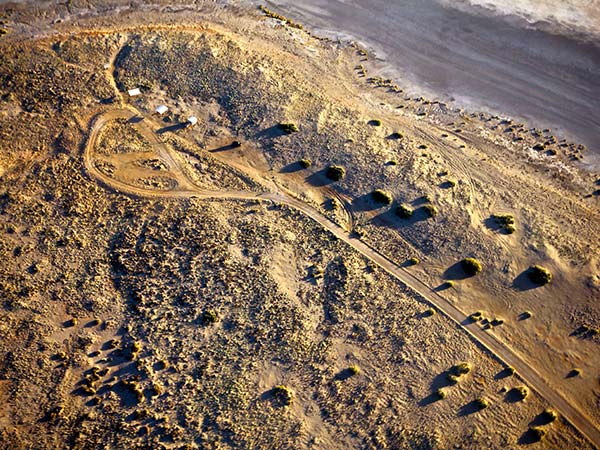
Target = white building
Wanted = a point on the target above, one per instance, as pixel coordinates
(192, 120)
(134, 92)
(161, 109)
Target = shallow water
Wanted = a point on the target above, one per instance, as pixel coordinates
(478, 57)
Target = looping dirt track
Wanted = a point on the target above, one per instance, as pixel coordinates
(187, 189)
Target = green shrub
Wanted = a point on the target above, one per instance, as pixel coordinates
(305, 163)
(521, 392)
(396, 135)
(430, 312)
(537, 433)
(476, 316)
(482, 403)
(414, 261)
(460, 369)
(539, 275)
(440, 394)
(574, 373)
(353, 370)
(288, 127)
(208, 317)
(283, 394)
(506, 222)
(404, 212)
(549, 415)
(381, 196)
(375, 122)
(335, 173)
(471, 266)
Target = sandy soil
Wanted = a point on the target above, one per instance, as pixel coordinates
(159, 319)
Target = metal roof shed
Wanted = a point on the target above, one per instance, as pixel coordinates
(161, 109)
(134, 92)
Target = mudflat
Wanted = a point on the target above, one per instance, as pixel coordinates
(505, 65)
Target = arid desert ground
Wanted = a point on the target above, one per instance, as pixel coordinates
(298, 253)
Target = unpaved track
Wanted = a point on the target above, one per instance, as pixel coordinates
(487, 340)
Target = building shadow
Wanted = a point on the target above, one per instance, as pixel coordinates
(171, 128)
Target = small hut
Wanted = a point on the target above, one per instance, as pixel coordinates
(134, 92)
(192, 120)
(160, 110)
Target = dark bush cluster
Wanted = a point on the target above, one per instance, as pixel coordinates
(381, 196)
(471, 266)
(335, 173)
(539, 275)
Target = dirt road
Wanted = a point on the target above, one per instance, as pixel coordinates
(484, 338)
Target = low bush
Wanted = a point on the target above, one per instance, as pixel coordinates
(283, 394)
(471, 266)
(288, 127)
(381, 196)
(375, 122)
(460, 369)
(539, 275)
(305, 163)
(404, 212)
(335, 173)
(430, 210)
(482, 403)
(536, 433)
(414, 261)
(521, 392)
(208, 317)
(549, 415)
(440, 394)
(353, 370)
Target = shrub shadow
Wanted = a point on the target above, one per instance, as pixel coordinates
(529, 437)
(366, 203)
(468, 409)
(504, 373)
(224, 148)
(270, 133)
(344, 374)
(291, 168)
(523, 283)
(390, 219)
(318, 179)
(456, 272)
(513, 396)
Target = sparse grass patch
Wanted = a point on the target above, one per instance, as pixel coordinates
(404, 212)
(539, 275)
(381, 196)
(335, 173)
(471, 266)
